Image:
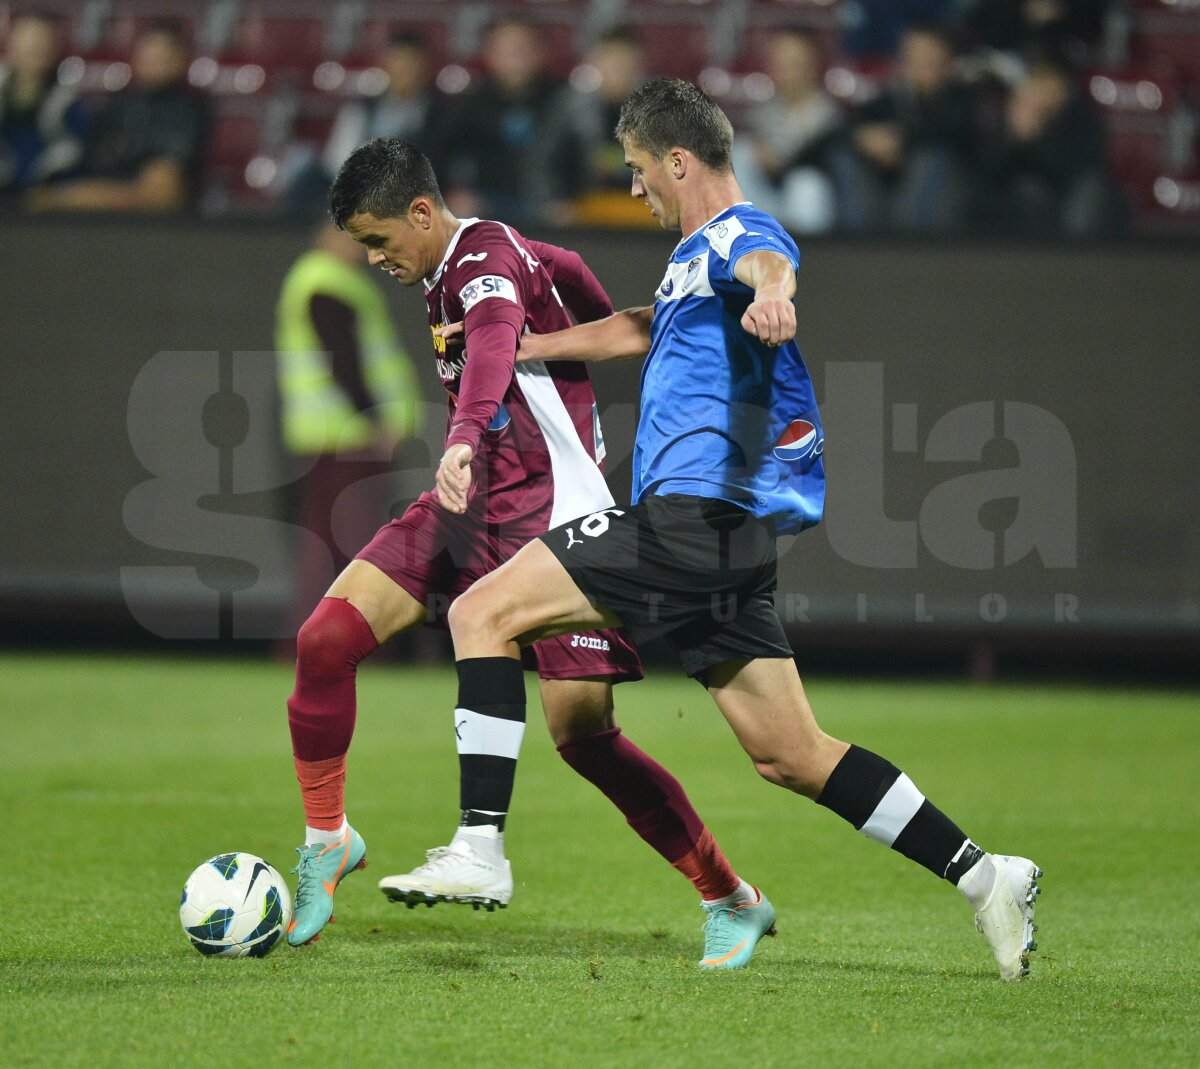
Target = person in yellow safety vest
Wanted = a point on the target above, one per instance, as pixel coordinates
(349, 396)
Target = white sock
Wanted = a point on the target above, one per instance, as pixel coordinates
(487, 840)
(976, 883)
(314, 836)
(743, 893)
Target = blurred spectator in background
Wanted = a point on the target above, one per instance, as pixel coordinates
(1045, 171)
(411, 108)
(146, 151)
(1035, 28)
(781, 166)
(349, 397)
(581, 152)
(874, 28)
(905, 164)
(42, 123)
(501, 132)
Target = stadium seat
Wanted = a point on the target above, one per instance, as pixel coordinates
(287, 43)
(757, 36)
(233, 139)
(1137, 108)
(374, 34)
(1169, 34)
(560, 25)
(1165, 205)
(235, 134)
(822, 17)
(679, 38)
(1179, 196)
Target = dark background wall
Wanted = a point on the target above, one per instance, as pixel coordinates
(1011, 435)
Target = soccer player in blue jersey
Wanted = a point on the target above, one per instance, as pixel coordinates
(727, 457)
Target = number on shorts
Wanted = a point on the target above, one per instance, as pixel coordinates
(597, 523)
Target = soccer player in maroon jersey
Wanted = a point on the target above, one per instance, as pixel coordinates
(531, 438)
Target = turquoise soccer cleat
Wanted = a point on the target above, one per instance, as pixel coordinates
(320, 870)
(732, 932)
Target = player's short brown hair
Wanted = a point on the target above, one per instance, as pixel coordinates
(382, 178)
(667, 113)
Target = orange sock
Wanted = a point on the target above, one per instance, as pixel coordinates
(706, 867)
(323, 791)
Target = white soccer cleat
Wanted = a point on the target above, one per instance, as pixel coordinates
(1006, 918)
(453, 873)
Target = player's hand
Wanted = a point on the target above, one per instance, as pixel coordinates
(453, 478)
(450, 330)
(771, 318)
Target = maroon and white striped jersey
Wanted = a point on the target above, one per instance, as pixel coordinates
(534, 428)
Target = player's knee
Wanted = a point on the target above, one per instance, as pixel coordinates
(473, 613)
(774, 772)
(796, 775)
(580, 725)
(317, 652)
(325, 646)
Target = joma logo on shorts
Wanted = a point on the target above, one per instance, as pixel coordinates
(589, 642)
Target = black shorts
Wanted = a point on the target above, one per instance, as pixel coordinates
(696, 571)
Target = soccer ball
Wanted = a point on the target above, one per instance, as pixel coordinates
(235, 905)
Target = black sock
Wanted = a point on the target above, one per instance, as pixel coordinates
(885, 805)
(489, 723)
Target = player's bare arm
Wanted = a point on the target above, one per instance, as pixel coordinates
(771, 316)
(623, 336)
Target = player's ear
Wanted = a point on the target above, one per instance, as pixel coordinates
(420, 213)
(677, 162)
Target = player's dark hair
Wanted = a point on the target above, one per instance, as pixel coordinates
(382, 178)
(666, 113)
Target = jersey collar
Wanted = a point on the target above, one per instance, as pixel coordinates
(709, 222)
(432, 280)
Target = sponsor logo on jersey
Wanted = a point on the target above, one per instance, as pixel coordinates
(449, 370)
(589, 642)
(500, 420)
(480, 289)
(470, 258)
(799, 440)
(686, 280)
(722, 235)
(439, 343)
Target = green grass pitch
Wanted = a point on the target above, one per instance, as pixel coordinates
(121, 774)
